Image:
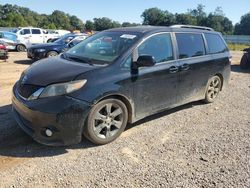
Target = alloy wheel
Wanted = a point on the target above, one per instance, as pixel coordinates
(213, 88)
(108, 120)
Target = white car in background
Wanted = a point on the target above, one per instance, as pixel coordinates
(55, 34)
(27, 36)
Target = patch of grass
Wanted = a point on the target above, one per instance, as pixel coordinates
(237, 47)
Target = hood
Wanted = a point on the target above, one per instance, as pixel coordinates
(54, 70)
(46, 45)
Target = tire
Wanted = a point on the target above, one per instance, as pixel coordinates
(52, 54)
(213, 89)
(106, 121)
(244, 64)
(20, 48)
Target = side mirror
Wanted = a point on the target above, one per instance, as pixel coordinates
(145, 61)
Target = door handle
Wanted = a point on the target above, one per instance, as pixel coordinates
(185, 67)
(173, 69)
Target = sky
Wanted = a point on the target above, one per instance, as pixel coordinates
(131, 10)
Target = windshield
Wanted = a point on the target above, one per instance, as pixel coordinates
(103, 47)
(10, 36)
(64, 39)
(15, 30)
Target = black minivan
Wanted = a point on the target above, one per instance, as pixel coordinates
(116, 77)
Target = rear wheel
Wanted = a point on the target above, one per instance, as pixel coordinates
(213, 89)
(106, 121)
(244, 64)
(52, 54)
(20, 48)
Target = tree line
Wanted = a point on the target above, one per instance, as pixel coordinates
(198, 16)
(16, 16)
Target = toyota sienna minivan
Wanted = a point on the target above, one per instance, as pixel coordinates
(116, 77)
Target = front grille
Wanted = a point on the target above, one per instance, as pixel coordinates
(26, 90)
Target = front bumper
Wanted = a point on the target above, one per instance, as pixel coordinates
(35, 55)
(63, 115)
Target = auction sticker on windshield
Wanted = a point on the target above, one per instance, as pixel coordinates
(127, 36)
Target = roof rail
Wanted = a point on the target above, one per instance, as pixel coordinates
(192, 27)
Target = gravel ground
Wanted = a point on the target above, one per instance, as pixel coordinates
(195, 145)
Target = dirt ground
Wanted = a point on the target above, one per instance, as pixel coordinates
(194, 145)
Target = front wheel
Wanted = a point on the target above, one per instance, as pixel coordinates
(213, 89)
(52, 54)
(106, 121)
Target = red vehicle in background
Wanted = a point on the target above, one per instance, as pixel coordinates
(3, 51)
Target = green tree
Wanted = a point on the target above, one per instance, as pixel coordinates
(186, 19)
(15, 16)
(76, 23)
(89, 25)
(103, 23)
(128, 24)
(169, 19)
(154, 16)
(61, 20)
(219, 22)
(200, 14)
(116, 24)
(243, 28)
(14, 20)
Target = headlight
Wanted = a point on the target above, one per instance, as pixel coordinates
(58, 89)
(40, 50)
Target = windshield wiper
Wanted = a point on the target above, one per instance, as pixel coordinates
(84, 60)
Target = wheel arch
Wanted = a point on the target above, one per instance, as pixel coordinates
(125, 100)
(221, 78)
(53, 50)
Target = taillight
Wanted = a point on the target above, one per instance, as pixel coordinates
(2, 47)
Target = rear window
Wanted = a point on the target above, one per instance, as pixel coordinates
(190, 45)
(36, 31)
(215, 43)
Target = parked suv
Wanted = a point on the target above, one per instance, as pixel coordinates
(30, 35)
(96, 91)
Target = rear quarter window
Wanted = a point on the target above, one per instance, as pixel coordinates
(190, 45)
(215, 43)
(36, 31)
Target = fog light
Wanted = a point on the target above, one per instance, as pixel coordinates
(48, 132)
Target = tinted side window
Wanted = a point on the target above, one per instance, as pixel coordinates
(215, 43)
(190, 45)
(158, 46)
(36, 31)
(25, 31)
